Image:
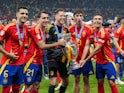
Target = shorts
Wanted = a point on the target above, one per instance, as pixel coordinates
(86, 70)
(33, 74)
(56, 65)
(12, 75)
(105, 69)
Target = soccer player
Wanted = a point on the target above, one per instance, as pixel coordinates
(12, 62)
(69, 21)
(119, 44)
(56, 56)
(104, 57)
(80, 33)
(33, 67)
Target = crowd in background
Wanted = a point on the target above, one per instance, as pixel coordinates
(109, 8)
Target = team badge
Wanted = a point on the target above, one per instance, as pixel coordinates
(51, 73)
(5, 81)
(112, 77)
(29, 79)
(91, 72)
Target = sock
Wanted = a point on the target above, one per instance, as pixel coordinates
(62, 89)
(114, 88)
(34, 91)
(6, 89)
(101, 87)
(15, 88)
(51, 89)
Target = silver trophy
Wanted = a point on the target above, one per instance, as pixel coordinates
(73, 64)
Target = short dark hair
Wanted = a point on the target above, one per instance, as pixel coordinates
(99, 14)
(78, 11)
(22, 7)
(43, 11)
(58, 10)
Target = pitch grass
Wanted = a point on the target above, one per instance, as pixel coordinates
(93, 86)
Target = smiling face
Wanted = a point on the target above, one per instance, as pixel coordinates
(60, 17)
(44, 19)
(22, 15)
(97, 21)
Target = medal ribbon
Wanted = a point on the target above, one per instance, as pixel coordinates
(80, 32)
(20, 35)
(43, 37)
(59, 35)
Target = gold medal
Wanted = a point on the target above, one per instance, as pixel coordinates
(78, 41)
(20, 42)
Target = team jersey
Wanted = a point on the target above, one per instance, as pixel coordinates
(54, 33)
(105, 55)
(35, 35)
(119, 34)
(10, 36)
(80, 42)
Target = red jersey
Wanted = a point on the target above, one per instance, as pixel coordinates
(119, 33)
(35, 35)
(105, 55)
(86, 32)
(11, 42)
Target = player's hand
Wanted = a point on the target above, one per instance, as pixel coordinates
(82, 62)
(12, 56)
(62, 42)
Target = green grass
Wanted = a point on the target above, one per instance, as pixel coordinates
(93, 86)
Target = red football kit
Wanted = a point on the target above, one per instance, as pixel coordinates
(119, 33)
(14, 38)
(85, 32)
(35, 35)
(105, 55)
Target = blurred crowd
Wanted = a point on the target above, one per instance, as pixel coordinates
(109, 8)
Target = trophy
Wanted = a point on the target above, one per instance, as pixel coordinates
(72, 64)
